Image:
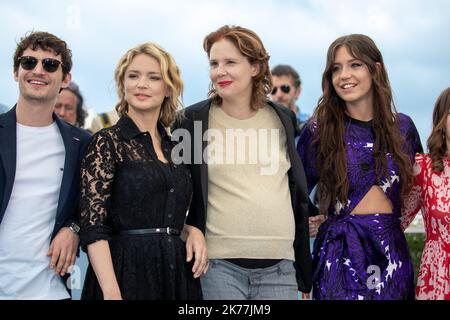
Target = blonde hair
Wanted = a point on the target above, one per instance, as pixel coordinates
(170, 74)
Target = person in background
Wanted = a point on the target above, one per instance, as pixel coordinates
(359, 152)
(134, 198)
(287, 87)
(40, 159)
(431, 194)
(103, 120)
(69, 105)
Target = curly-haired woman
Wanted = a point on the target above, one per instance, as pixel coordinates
(134, 197)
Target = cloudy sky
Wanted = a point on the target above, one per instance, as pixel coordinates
(413, 36)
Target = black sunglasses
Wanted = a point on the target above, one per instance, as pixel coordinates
(49, 64)
(285, 88)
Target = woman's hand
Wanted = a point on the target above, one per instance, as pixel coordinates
(314, 224)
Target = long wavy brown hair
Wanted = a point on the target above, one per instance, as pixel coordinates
(330, 115)
(437, 145)
(250, 46)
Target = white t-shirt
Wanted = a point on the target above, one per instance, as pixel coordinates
(27, 226)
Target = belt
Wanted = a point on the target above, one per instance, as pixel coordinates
(168, 230)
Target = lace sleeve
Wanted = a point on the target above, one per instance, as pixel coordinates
(97, 174)
(413, 201)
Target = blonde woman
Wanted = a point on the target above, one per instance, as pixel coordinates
(134, 198)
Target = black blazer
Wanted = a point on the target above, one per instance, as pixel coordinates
(198, 114)
(75, 141)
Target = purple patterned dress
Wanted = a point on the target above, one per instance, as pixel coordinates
(361, 257)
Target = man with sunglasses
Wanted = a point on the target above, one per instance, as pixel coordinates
(287, 87)
(39, 176)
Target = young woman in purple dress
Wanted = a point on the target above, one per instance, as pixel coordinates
(358, 150)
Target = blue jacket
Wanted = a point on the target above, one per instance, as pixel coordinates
(75, 142)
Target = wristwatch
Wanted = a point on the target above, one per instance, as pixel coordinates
(75, 228)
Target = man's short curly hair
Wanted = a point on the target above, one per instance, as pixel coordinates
(48, 42)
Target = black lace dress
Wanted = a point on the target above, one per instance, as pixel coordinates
(124, 186)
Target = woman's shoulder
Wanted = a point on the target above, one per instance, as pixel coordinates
(405, 121)
(107, 131)
(403, 117)
(196, 107)
(186, 115)
(422, 158)
(422, 162)
(106, 134)
(409, 131)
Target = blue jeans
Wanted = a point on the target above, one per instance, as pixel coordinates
(227, 281)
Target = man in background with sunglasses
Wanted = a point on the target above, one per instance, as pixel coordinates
(39, 176)
(69, 105)
(287, 87)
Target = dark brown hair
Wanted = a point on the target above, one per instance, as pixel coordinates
(330, 115)
(286, 70)
(437, 145)
(47, 42)
(249, 45)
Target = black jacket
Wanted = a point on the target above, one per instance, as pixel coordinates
(75, 141)
(198, 114)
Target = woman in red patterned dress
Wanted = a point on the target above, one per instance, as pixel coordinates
(431, 194)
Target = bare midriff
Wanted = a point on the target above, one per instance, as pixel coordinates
(375, 201)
